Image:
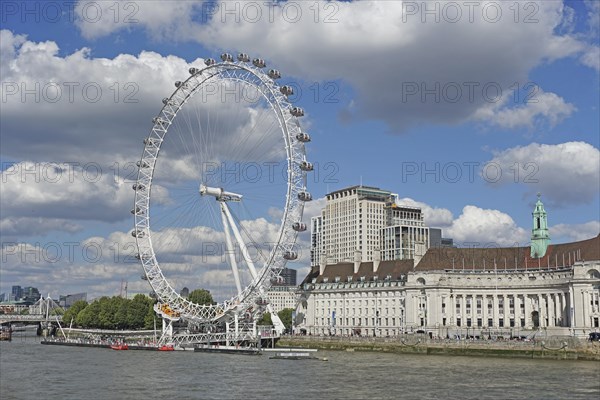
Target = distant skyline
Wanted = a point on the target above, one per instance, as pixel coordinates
(465, 110)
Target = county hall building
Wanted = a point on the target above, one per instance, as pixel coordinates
(399, 281)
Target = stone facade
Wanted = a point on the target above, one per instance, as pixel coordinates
(282, 296)
(466, 292)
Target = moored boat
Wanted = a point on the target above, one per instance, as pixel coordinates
(5, 334)
(287, 355)
(122, 346)
(228, 350)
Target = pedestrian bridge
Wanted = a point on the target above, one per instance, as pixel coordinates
(11, 318)
(44, 310)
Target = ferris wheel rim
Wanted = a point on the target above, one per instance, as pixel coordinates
(293, 209)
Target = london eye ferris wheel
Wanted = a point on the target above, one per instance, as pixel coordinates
(222, 181)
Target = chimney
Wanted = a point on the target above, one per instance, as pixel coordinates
(376, 260)
(322, 263)
(357, 259)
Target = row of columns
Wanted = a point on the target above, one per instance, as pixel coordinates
(587, 308)
(552, 309)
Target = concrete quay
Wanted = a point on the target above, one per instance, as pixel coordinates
(555, 348)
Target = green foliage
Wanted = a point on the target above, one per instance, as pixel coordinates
(265, 319)
(88, 317)
(150, 317)
(71, 312)
(57, 311)
(25, 311)
(201, 296)
(113, 313)
(285, 316)
(137, 310)
(108, 311)
(121, 308)
(119, 313)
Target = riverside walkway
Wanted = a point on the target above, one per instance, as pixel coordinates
(560, 347)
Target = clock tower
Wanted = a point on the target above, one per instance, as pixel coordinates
(540, 239)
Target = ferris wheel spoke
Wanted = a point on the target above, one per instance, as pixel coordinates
(263, 114)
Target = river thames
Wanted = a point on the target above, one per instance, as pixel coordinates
(29, 370)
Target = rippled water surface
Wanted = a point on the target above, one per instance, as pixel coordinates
(29, 370)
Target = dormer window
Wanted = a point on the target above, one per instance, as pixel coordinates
(325, 280)
(349, 278)
(337, 279)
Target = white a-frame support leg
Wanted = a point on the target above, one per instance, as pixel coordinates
(238, 237)
(230, 250)
(226, 217)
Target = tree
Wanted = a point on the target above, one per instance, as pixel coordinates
(285, 316)
(113, 313)
(137, 311)
(71, 312)
(108, 311)
(88, 317)
(121, 308)
(265, 319)
(201, 296)
(150, 317)
(57, 311)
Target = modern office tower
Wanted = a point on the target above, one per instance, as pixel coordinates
(352, 221)
(360, 222)
(405, 236)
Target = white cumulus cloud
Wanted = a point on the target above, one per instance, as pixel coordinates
(62, 191)
(386, 50)
(575, 232)
(486, 226)
(433, 216)
(565, 173)
(540, 107)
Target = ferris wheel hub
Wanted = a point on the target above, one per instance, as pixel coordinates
(219, 193)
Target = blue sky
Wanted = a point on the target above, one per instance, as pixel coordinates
(395, 97)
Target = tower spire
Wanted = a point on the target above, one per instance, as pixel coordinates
(540, 239)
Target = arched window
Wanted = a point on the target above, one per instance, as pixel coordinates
(593, 274)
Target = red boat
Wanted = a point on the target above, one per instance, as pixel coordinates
(122, 346)
(166, 347)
